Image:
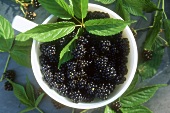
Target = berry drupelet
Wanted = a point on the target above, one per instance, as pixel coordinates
(36, 4)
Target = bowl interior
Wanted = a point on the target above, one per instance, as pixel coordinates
(120, 89)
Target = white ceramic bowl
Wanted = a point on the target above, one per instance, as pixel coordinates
(120, 89)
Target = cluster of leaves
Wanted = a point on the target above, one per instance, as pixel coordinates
(78, 11)
(27, 96)
(18, 51)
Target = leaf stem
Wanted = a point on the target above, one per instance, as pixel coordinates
(77, 20)
(166, 43)
(163, 7)
(6, 65)
(159, 2)
(141, 29)
(73, 110)
(39, 110)
(84, 111)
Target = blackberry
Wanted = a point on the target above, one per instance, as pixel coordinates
(82, 40)
(71, 65)
(82, 74)
(10, 74)
(101, 61)
(71, 74)
(48, 49)
(73, 84)
(96, 15)
(103, 91)
(113, 51)
(104, 46)
(62, 89)
(121, 60)
(57, 105)
(147, 55)
(76, 96)
(109, 73)
(91, 88)
(123, 46)
(93, 52)
(36, 4)
(44, 60)
(83, 63)
(116, 106)
(122, 69)
(30, 15)
(8, 86)
(82, 83)
(87, 98)
(120, 79)
(79, 52)
(59, 77)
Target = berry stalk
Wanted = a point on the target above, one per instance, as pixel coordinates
(6, 65)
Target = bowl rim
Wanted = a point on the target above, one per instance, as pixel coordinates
(91, 105)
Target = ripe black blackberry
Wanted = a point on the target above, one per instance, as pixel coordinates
(82, 40)
(62, 89)
(104, 46)
(83, 63)
(103, 91)
(8, 86)
(101, 61)
(76, 96)
(93, 52)
(122, 69)
(109, 73)
(10, 74)
(36, 4)
(123, 46)
(116, 106)
(59, 77)
(82, 84)
(147, 55)
(96, 15)
(48, 49)
(119, 79)
(79, 52)
(30, 15)
(91, 88)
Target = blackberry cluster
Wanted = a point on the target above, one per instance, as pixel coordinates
(147, 55)
(30, 15)
(9, 74)
(97, 66)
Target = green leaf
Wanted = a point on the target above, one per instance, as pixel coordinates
(20, 93)
(27, 43)
(39, 99)
(106, 1)
(47, 32)
(133, 8)
(65, 54)
(148, 6)
(148, 69)
(139, 96)
(153, 32)
(27, 109)
(121, 10)
(6, 34)
(22, 55)
(30, 91)
(1, 51)
(108, 110)
(106, 27)
(166, 27)
(65, 7)
(136, 109)
(54, 8)
(80, 8)
(132, 85)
